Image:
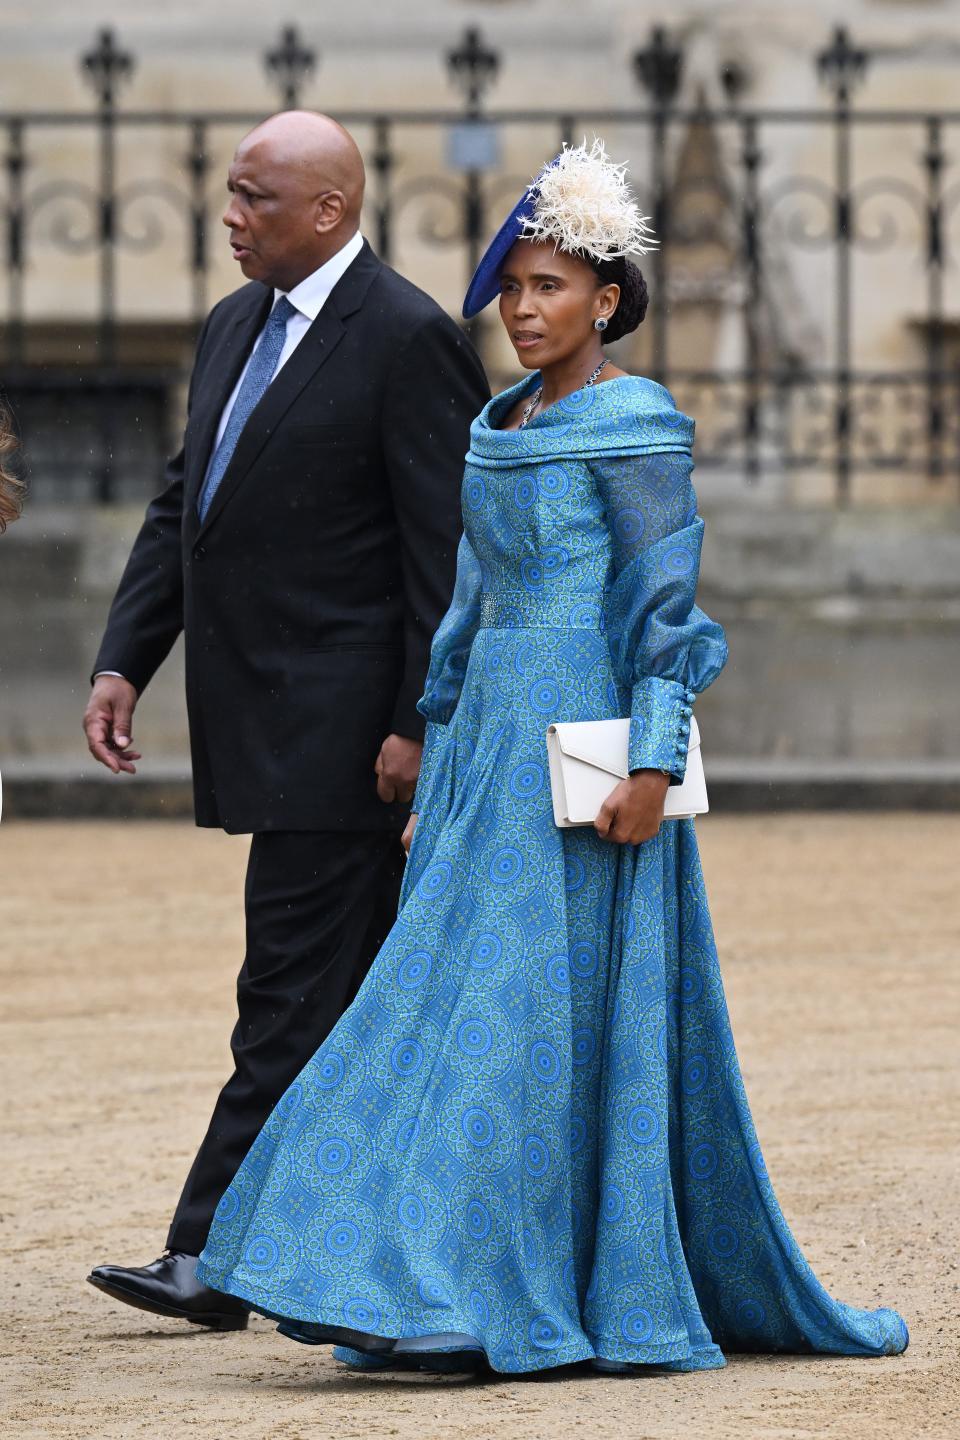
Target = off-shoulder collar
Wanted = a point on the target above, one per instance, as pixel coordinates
(626, 416)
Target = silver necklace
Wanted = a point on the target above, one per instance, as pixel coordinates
(531, 406)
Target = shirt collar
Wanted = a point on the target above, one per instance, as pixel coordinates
(310, 296)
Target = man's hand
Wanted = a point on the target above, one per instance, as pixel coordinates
(397, 767)
(633, 811)
(406, 839)
(108, 723)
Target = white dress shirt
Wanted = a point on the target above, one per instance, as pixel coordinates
(308, 299)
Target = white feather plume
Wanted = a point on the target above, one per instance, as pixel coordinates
(584, 204)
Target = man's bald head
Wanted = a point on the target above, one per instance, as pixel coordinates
(296, 185)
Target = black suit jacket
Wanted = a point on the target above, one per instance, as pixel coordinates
(309, 595)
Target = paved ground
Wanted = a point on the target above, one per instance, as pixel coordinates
(118, 943)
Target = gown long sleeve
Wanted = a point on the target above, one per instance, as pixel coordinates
(665, 650)
(449, 655)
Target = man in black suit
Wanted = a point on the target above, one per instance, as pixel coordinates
(305, 544)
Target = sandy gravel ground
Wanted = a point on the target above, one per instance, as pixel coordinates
(840, 939)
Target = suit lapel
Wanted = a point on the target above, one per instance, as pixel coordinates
(220, 373)
(314, 351)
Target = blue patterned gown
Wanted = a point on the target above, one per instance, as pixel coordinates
(530, 1127)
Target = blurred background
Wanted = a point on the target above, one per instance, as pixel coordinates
(800, 165)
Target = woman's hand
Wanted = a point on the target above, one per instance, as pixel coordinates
(406, 839)
(633, 812)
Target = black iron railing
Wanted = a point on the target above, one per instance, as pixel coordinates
(775, 226)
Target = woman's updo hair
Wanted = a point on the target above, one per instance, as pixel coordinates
(632, 305)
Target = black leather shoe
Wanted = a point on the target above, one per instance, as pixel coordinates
(170, 1287)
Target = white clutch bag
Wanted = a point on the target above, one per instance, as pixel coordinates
(588, 759)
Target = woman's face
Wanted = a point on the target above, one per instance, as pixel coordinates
(549, 301)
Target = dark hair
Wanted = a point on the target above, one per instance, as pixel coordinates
(10, 486)
(632, 305)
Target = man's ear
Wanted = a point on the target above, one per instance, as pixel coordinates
(331, 208)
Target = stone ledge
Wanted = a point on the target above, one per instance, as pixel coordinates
(48, 792)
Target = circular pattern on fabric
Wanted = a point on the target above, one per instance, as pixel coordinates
(436, 879)
(678, 560)
(536, 1156)
(342, 1238)
(411, 1212)
(433, 1291)
(574, 874)
(751, 1314)
(527, 780)
(545, 1062)
(334, 1156)
(414, 970)
(694, 1075)
(636, 1327)
(544, 697)
(703, 1161)
(578, 402)
(628, 527)
(584, 960)
(532, 574)
(228, 1206)
(478, 1220)
(584, 1045)
(723, 1241)
(406, 1058)
(330, 1070)
(555, 561)
(474, 1037)
(486, 951)
(479, 1308)
(558, 974)
(612, 1204)
(691, 985)
(474, 492)
(757, 1163)
(544, 1333)
(292, 1100)
(360, 1314)
(554, 482)
(262, 1253)
(478, 1126)
(643, 1124)
(506, 866)
(408, 1132)
(495, 658)
(525, 491)
(578, 1134)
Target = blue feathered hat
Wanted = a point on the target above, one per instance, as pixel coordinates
(582, 202)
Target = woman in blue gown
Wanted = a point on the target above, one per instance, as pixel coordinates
(527, 1142)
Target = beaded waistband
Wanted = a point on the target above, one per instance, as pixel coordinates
(524, 609)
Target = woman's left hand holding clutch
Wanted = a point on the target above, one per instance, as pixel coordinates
(633, 812)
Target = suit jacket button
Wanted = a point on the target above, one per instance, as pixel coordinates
(199, 553)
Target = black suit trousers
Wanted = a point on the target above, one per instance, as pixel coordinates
(319, 906)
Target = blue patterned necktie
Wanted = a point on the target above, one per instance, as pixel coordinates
(263, 363)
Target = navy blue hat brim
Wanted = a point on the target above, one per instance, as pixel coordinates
(485, 285)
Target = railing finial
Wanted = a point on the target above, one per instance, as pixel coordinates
(105, 66)
(841, 65)
(473, 66)
(289, 64)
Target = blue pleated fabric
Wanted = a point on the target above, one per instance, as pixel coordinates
(529, 1134)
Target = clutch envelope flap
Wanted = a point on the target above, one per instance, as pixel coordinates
(601, 743)
(605, 743)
